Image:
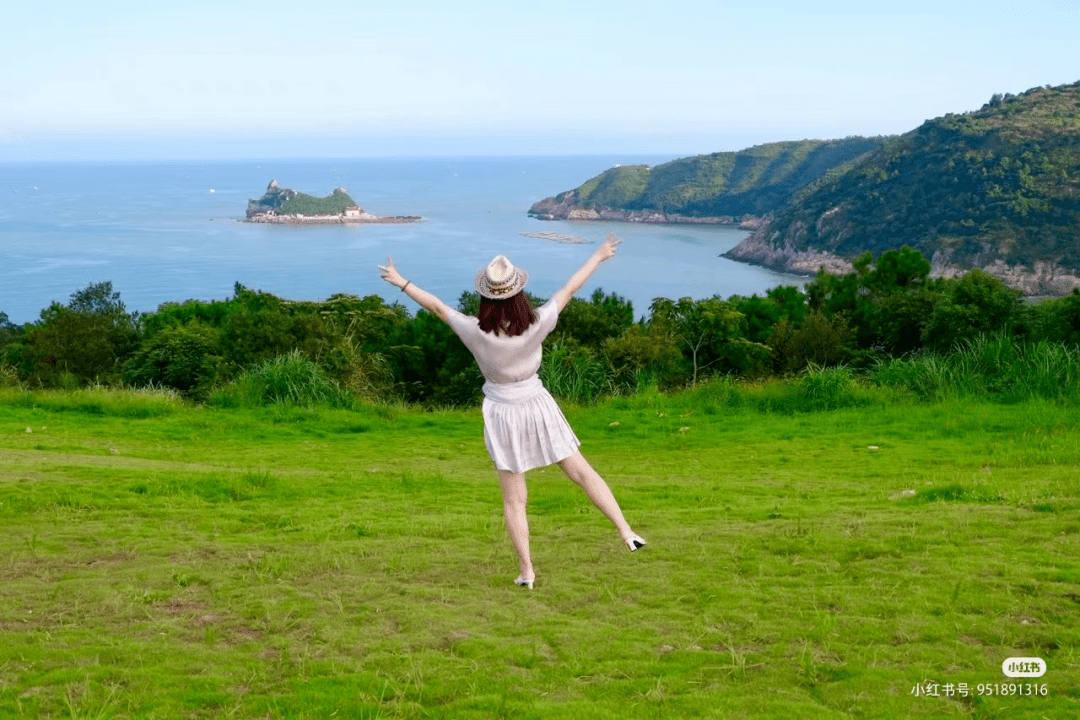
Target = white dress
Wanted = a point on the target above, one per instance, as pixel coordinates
(523, 427)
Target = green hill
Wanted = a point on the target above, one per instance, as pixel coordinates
(997, 188)
(749, 182)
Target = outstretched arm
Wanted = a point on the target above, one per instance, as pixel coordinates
(425, 299)
(605, 252)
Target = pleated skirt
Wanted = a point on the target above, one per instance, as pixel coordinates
(523, 427)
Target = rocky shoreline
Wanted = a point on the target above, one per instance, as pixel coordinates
(564, 208)
(341, 219)
(1042, 279)
(757, 249)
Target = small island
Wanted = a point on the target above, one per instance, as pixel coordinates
(284, 206)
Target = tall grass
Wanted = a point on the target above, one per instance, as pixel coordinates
(995, 365)
(289, 379)
(9, 376)
(575, 375)
(148, 402)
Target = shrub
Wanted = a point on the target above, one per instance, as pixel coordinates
(976, 303)
(639, 356)
(821, 340)
(185, 358)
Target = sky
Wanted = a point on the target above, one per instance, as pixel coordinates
(128, 80)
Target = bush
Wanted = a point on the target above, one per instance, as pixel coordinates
(822, 340)
(638, 357)
(976, 303)
(1058, 320)
(186, 358)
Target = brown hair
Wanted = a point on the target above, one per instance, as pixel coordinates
(513, 315)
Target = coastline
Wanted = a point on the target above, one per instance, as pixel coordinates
(563, 208)
(1040, 279)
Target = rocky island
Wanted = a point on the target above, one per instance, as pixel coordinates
(284, 206)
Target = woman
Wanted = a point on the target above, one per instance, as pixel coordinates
(523, 427)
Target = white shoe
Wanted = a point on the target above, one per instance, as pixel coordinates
(635, 542)
(524, 583)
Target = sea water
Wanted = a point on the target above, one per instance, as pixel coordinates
(167, 232)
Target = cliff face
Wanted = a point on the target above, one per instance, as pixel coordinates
(272, 199)
(723, 188)
(997, 189)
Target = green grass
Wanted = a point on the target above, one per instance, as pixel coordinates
(161, 560)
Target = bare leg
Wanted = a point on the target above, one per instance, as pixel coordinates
(578, 469)
(515, 495)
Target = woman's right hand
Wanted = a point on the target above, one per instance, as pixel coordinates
(607, 250)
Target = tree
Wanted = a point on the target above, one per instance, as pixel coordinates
(88, 339)
(8, 331)
(98, 299)
(975, 303)
(903, 268)
(700, 326)
(591, 322)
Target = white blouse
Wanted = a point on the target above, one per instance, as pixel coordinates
(505, 359)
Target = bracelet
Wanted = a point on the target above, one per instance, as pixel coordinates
(405, 285)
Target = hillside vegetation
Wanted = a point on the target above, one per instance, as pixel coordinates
(256, 347)
(1000, 185)
(748, 182)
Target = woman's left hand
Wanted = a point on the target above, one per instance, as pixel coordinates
(607, 250)
(390, 273)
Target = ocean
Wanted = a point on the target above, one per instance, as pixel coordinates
(172, 231)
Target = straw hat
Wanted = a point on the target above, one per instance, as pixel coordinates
(500, 279)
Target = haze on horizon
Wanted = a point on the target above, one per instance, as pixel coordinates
(122, 79)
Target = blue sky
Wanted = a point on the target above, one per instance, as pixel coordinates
(231, 78)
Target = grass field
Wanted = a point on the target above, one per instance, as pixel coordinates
(166, 561)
